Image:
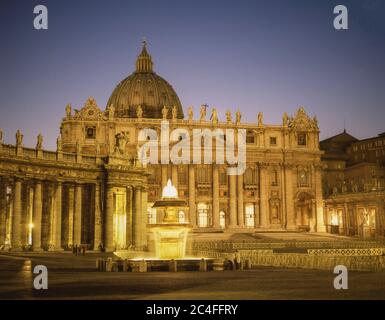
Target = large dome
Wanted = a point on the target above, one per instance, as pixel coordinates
(146, 89)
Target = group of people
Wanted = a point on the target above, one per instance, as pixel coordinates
(78, 250)
(233, 262)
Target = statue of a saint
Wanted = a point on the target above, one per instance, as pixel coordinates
(39, 144)
(203, 111)
(315, 122)
(111, 112)
(121, 140)
(59, 145)
(174, 112)
(260, 119)
(228, 116)
(238, 117)
(68, 110)
(139, 112)
(214, 116)
(164, 112)
(190, 113)
(19, 139)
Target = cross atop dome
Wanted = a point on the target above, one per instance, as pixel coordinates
(144, 42)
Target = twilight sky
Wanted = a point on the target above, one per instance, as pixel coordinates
(269, 55)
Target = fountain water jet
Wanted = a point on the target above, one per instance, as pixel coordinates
(170, 236)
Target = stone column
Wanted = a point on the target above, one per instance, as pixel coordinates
(129, 239)
(3, 211)
(313, 215)
(174, 176)
(109, 221)
(346, 219)
(143, 220)
(37, 216)
(58, 215)
(215, 196)
(77, 237)
(137, 217)
(16, 218)
(320, 224)
(257, 215)
(191, 195)
(290, 214)
(263, 197)
(98, 219)
(70, 223)
(241, 211)
(232, 204)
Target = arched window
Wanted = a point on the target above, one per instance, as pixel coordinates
(203, 175)
(250, 176)
(181, 217)
(203, 215)
(222, 219)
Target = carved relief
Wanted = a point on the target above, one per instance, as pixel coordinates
(302, 122)
(90, 111)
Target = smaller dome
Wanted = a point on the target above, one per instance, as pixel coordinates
(146, 89)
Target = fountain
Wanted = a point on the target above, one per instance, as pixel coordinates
(170, 236)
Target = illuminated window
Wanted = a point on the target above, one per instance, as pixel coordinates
(250, 215)
(181, 217)
(203, 215)
(222, 219)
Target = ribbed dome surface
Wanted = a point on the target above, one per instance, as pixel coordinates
(145, 88)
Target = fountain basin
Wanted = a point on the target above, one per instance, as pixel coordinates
(170, 239)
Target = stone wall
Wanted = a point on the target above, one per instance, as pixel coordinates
(266, 258)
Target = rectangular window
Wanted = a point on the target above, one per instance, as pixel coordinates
(90, 132)
(250, 216)
(273, 141)
(302, 139)
(250, 139)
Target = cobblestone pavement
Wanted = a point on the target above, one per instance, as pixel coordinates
(73, 277)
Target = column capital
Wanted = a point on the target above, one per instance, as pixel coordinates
(263, 165)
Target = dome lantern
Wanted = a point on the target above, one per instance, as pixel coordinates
(144, 61)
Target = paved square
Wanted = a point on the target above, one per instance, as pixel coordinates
(75, 277)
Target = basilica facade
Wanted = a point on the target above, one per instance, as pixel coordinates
(94, 191)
